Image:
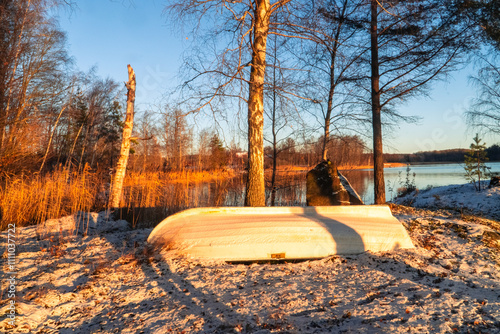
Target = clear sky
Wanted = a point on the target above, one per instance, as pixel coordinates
(111, 34)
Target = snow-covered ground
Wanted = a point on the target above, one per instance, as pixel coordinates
(460, 197)
(105, 280)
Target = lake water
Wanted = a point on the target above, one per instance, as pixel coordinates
(429, 175)
(292, 188)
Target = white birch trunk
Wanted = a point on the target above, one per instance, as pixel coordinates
(121, 166)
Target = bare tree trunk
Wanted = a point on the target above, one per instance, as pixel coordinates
(378, 155)
(329, 107)
(478, 171)
(274, 131)
(331, 92)
(255, 189)
(326, 139)
(121, 166)
(68, 161)
(273, 179)
(275, 144)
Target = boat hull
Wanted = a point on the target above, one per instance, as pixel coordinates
(280, 233)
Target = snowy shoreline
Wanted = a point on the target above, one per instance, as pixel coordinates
(460, 197)
(105, 280)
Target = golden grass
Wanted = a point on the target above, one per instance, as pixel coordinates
(153, 189)
(26, 200)
(148, 197)
(33, 199)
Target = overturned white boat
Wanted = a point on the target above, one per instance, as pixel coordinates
(290, 233)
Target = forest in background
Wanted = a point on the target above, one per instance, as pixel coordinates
(454, 155)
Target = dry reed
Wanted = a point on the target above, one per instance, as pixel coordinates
(147, 198)
(28, 200)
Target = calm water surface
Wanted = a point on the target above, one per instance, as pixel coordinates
(292, 189)
(430, 175)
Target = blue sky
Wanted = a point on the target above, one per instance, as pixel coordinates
(111, 34)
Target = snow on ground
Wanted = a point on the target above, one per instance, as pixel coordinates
(459, 197)
(104, 280)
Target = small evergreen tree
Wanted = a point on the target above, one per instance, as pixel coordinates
(475, 159)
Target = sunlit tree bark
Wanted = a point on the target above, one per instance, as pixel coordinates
(255, 190)
(121, 166)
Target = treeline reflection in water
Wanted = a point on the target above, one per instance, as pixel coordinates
(154, 205)
(291, 187)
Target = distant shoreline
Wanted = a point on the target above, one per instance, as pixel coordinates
(438, 162)
(342, 168)
(364, 167)
(386, 165)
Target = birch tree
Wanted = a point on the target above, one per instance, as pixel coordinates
(241, 28)
(278, 106)
(121, 166)
(176, 135)
(489, 19)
